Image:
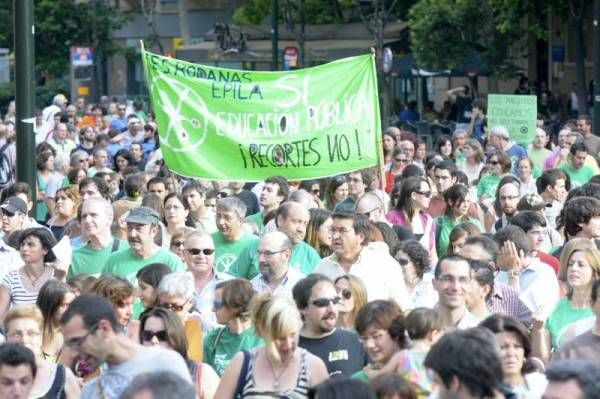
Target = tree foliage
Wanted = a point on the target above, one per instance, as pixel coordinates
(60, 24)
(445, 33)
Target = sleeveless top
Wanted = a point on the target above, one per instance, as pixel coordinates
(300, 391)
(57, 390)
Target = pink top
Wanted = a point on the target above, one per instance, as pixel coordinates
(428, 240)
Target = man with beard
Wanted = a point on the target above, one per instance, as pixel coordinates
(90, 331)
(318, 301)
(142, 226)
(507, 196)
(95, 221)
(291, 219)
(276, 276)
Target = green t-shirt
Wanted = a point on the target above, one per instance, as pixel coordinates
(538, 156)
(124, 264)
(444, 226)
(91, 261)
(561, 317)
(228, 345)
(488, 185)
(360, 375)
(257, 219)
(578, 176)
(226, 252)
(304, 258)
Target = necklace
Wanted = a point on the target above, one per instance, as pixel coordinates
(276, 378)
(35, 279)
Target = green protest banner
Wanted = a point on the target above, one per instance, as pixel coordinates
(217, 123)
(517, 113)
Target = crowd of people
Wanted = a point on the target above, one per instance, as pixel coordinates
(470, 269)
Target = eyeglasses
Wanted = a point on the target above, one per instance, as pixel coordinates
(269, 253)
(346, 293)
(161, 335)
(493, 162)
(426, 194)
(324, 302)
(173, 307)
(401, 160)
(177, 243)
(23, 334)
(403, 261)
(197, 251)
(218, 304)
(78, 341)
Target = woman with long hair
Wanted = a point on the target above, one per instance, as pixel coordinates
(162, 328)
(499, 165)
(473, 161)
(399, 161)
(336, 191)
(279, 368)
(353, 296)
(149, 278)
(458, 201)
(44, 163)
(317, 231)
(23, 326)
(528, 181)
(122, 160)
(458, 236)
(443, 146)
(67, 203)
(519, 370)
(579, 267)
(53, 299)
(413, 201)
(389, 143)
(232, 310)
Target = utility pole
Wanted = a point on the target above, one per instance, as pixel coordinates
(25, 92)
(596, 94)
(274, 37)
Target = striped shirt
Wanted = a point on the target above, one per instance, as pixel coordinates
(18, 294)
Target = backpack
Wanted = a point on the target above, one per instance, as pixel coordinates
(6, 173)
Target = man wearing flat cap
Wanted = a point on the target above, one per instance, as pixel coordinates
(142, 226)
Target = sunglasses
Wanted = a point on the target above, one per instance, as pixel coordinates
(173, 307)
(424, 193)
(346, 293)
(403, 261)
(403, 160)
(493, 162)
(218, 304)
(161, 335)
(324, 302)
(177, 243)
(197, 251)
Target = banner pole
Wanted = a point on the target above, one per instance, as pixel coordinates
(379, 140)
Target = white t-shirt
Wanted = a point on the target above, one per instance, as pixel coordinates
(115, 379)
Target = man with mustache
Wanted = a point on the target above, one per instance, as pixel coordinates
(276, 275)
(317, 300)
(142, 226)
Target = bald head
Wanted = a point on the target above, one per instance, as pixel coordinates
(371, 205)
(276, 240)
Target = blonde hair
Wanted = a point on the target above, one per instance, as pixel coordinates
(592, 256)
(274, 317)
(359, 293)
(24, 312)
